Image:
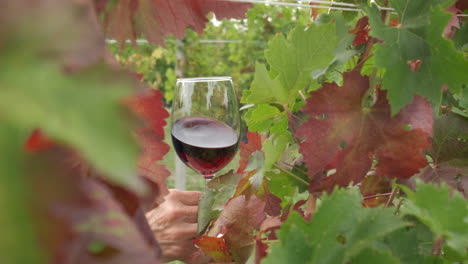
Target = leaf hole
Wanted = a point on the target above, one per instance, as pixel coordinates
(341, 239)
(321, 116)
(407, 127)
(331, 172)
(101, 250)
(343, 144)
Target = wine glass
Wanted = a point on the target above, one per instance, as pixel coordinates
(205, 123)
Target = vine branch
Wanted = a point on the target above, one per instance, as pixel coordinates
(392, 196)
(291, 174)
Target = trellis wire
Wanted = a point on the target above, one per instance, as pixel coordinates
(332, 5)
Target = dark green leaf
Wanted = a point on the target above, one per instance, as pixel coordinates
(418, 37)
(18, 242)
(321, 240)
(371, 256)
(444, 213)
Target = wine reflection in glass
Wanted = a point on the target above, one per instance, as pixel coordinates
(205, 123)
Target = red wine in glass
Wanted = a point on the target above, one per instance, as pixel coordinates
(205, 123)
(204, 144)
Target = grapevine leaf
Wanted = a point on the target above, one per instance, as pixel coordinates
(463, 100)
(240, 217)
(418, 37)
(283, 185)
(361, 30)
(342, 131)
(449, 153)
(450, 141)
(461, 37)
(93, 109)
(150, 109)
(293, 237)
(156, 19)
(372, 185)
(264, 89)
(219, 190)
(38, 141)
(81, 218)
(256, 166)
(353, 230)
(292, 60)
(274, 148)
(254, 143)
(215, 247)
(453, 176)
(411, 245)
(205, 211)
(19, 242)
(370, 256)
(264, 118)
(79, 108)
(443, 213)
(255, 183)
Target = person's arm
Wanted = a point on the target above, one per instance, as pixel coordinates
(174, 223)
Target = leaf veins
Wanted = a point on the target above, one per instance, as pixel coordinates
(344, 135)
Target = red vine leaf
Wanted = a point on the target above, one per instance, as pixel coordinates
(260, 248)
(454, 22)
(449, 153)
(254, 183)
(254, 143)
(361, 30)
(272, 203)
(150, 109)
(37, 142)
(214, 247)
(340, 125)
(461, 5)
(314, 12)
(266, 232)
(81, 220)
(156, 19)
(453, 176)
(240, 217)
(395, 23)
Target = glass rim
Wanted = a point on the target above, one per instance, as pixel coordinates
(205, 79)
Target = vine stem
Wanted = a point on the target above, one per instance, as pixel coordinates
(392, 196)
(291, 174)
(367, 53)
(397, 211)
(293, 167)
(377, 195)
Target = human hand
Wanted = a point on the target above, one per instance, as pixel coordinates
(174, 224)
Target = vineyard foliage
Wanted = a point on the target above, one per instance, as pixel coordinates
(357, 142)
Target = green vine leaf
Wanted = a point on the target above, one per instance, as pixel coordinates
(412, 244)
(19, 243)
(444, 213)
(353, 230)
(306, 50)
(371, 256)
(418, 37)
(264, 89)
